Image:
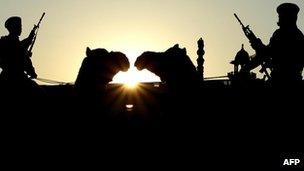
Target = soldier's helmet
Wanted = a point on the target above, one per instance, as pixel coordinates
(13, 22)
(288, 9)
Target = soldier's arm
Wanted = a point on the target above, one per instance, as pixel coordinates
(28, 41)
(254, 63)
(259, 47)
(29, 68)
(262, 53)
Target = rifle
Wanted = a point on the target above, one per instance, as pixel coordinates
(252, 38)
(30, 70)
(35, 29)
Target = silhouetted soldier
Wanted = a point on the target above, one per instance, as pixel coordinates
(285, 50)
(15, 62)
(14, 57)
(284, 55)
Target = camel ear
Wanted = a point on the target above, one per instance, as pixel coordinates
(112, 55)
(88, 51)
(185, 51)
(176, 46)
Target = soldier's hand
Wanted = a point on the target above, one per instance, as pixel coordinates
(33, 32)
(257, 44)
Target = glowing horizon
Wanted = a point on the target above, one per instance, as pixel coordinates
(132, 27)
(134, 76)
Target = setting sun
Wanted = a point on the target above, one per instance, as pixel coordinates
(132, 77)
(131, 84)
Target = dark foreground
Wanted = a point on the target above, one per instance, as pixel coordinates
(217, 127)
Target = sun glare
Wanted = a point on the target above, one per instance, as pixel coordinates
(133, 77)
(131, 84)
(130, 78)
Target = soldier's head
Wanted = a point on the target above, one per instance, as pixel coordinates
(288, 14)
(14, 26)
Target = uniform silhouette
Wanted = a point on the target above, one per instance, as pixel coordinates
(98, 69)
(284, 52)
(15, 62)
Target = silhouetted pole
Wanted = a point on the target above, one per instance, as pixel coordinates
(200, 60)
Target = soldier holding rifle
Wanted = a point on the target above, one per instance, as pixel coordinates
(15, 54)
(284, 54)
(17, 68)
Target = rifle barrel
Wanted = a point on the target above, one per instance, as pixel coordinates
(41, 19)
(238, 19)
(36, 27)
